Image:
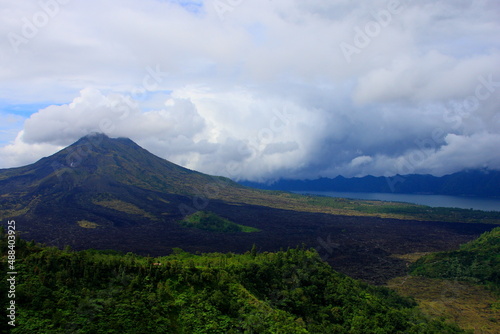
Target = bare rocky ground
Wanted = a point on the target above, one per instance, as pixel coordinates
(361, 247)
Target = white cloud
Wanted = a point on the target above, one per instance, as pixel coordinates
(189, 130)
(430, 77)
(361, 160)
(479, 150)
(19, 153)
(264, 92)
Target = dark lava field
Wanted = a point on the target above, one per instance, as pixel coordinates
(361, 247)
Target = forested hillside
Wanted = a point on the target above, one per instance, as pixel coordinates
(292, 291)
(477, 261)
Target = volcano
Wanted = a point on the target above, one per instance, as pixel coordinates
(103, 185)
(99, 163)
(109, 193)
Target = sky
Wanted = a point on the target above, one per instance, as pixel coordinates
(257, 89)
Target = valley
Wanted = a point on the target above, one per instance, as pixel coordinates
(113, 196)
(361, 247)
(109, 193)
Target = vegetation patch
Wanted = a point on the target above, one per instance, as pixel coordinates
(410, 257)
(87, 224)
(210, 221)
(12, 208)
(125, 207)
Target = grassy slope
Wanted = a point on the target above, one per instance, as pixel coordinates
(462, 285)
(470, 306)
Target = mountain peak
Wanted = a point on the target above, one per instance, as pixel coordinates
(97, 138)
(96, 134)
(99, 144)
(100, 136)
(92, 137)
(96, 162)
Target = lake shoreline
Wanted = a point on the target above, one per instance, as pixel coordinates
(446, 201)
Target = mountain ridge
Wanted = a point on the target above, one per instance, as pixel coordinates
(482, 183)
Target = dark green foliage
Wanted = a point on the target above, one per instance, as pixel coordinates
(477, 261)
(286, 292)
(209, 221)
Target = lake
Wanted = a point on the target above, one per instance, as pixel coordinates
(485, 204)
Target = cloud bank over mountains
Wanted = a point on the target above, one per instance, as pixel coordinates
(258, 89)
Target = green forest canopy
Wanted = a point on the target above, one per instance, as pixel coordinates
(477, 261)
(292, 291)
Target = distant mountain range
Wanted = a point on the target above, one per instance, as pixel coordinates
(482, 183)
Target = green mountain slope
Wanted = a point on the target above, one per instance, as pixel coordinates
(288, 292)
(97, 160)
(477, 261)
